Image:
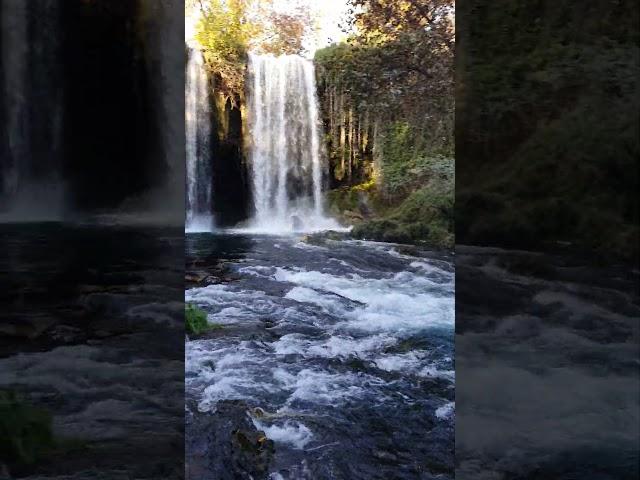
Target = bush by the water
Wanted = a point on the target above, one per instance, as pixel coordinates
(424, 217)
(388, 114)
(413, 199)
(196, 320)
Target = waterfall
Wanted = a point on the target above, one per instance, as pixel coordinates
(285, 151)
(198, 133)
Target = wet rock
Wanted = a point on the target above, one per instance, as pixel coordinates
(269, 323)
(202, 279)
(196, 277)
(258, 412)
(27, 328)
(252, 452)
(386, 457)
(209, 364)
(226, 445)
(102, 334)
(321, 238)
(356, 364)
(532, 265)
(411, 250)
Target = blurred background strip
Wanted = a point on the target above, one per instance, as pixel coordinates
(91, 239)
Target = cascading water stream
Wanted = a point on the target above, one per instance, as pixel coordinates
(287, 160)
(198, 132)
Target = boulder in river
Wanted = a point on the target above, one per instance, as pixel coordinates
(225, 444)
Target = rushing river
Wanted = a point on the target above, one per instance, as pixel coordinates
(341, 352)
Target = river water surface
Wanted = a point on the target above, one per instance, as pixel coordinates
(341, 351)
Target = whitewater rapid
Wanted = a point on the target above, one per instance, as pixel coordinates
(318, 337)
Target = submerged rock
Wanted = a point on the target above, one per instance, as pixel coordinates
(320, 238)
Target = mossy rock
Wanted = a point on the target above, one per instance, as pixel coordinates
(424, 218)
(320, 239)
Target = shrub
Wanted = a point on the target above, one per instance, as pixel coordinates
(196, 320)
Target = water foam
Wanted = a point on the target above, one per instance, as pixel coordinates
(320, 334)
(291, 433)
(403, 302)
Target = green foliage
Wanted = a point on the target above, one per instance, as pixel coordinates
(224, 32)
(228, 29)
(196, 321)
(343, 199)
(25, 431)
(407, 165)
(282, 32)
(389, 91)
(407, 79)
(425, 217)
(415, 202)
(381, 21)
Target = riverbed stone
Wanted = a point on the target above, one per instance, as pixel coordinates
(225, 444)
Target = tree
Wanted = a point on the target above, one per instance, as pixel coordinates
(228, 29)
(382, 21)
(224, 32)
(283, 33)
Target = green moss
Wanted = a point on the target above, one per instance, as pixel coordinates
(342, 199)
(424, 217)
(416, 202)
(196, 321)
(25, 431)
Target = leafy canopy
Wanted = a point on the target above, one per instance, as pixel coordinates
(228, 29)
